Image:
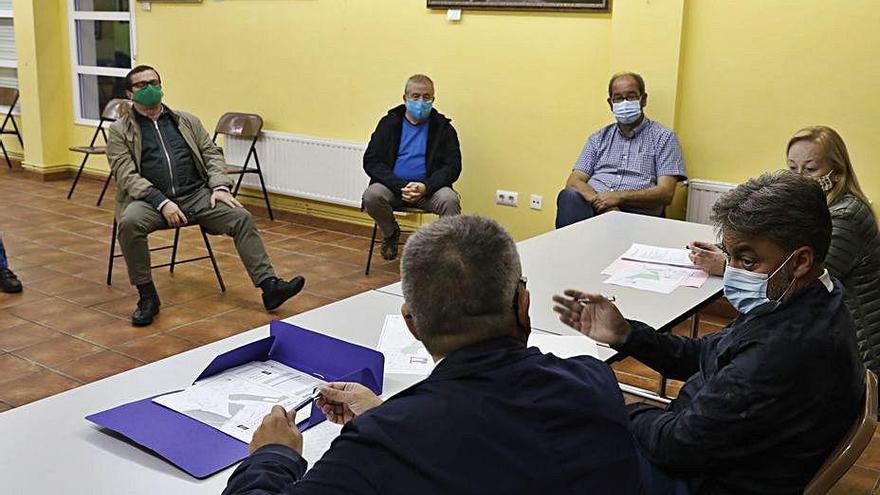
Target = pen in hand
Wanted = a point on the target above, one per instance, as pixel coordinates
(584, 301)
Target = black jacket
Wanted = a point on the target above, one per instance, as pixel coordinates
(443, 156)
(766, 399)
(493, 418)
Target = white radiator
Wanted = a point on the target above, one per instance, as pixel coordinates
(702, 195)
(305, 167)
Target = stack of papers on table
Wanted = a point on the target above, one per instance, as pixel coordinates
(403, 353)
(655, 269)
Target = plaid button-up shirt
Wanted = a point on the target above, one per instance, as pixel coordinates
(617, 163)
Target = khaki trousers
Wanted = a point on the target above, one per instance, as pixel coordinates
(379, 201)
(140, 219)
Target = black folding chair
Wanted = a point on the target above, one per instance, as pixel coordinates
(8, 98)
(113, 111)
(245, 126)
(174, 261)
(400, 209)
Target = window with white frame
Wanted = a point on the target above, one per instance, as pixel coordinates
(8, 56)
(102, 51)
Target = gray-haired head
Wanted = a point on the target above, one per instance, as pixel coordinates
(460, 276)
(784, 207)
(418, 79)
(640, 81)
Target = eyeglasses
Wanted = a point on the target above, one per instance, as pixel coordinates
(427, 97)
(520, 286)
(628, 97)
(143, 84)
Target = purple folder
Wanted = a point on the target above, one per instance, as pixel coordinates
(201, 450)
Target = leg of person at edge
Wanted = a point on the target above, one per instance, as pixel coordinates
(170, 174)
(768, 398)
(631, 165)
(413, 159)
(9, 283)
(494, 416)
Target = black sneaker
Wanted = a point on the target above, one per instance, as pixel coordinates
(277, 291)
(147, 308)
(389, 245)
(9, 282)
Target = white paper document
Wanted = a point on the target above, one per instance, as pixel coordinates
(403, 353)
(696, 277)
(564, 346)
(317, 440)
(658, 255)
(645, 276)
(236, 400)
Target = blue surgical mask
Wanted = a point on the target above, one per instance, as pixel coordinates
(419, 109)
(747, 291)
(627, 112)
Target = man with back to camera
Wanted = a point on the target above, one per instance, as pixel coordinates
(413, 159)
(494, 416)
(770, 396)
(169, 174)
(631, 165)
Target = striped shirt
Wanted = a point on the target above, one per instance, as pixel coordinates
(617, 163)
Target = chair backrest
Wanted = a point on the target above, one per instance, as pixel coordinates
(853, 444)
(115, 109)
(245, 125)
(8, 97)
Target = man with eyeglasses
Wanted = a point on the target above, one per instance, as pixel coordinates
(169, 173)
(631, 165)
(413, 159)
(494, 416)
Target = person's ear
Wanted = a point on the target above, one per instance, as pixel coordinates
(410, 322)
(524, 322)
(644, 100)
(128, 94)
(803, 259)
(610, 104)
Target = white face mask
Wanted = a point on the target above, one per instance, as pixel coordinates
(627, 112)
(747, 291)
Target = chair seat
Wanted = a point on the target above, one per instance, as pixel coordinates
(92, 150)
(410, 209)
(237, 170)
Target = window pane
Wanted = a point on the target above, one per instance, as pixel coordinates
(7, 40)
(96, 91)
(104, 43)
(102, 5)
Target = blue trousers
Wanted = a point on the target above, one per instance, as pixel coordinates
(571, 207)
(658, 482)
(3, 262)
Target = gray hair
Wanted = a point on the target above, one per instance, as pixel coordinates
(640, 81)
(460, 275)
(785, 207)
(418, 79)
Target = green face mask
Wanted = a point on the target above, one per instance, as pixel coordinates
(149, 96)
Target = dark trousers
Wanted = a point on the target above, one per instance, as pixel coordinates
(3, 262)
(658, 482)
(571, 207)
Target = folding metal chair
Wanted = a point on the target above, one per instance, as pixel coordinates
(8, 98)
(244, 126)
(113, 111)
(400, 209)
(173, 247)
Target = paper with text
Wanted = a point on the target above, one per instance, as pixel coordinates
(645, 276)
(236, 400)
(696, 278)
(659, 255)
(403, 353)
(317, 440)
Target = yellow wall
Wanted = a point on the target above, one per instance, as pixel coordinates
(756, 71)
(734, 79)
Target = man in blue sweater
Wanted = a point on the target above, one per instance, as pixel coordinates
(494, 416)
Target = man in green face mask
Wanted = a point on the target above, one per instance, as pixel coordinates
(169, 173)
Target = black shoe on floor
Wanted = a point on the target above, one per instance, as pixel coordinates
(9, 283)
(148, 307)
(277, 291)
(389, 245)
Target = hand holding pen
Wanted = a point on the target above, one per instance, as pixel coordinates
(594, 315)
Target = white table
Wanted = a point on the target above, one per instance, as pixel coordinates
(574, 257)
(48, 447)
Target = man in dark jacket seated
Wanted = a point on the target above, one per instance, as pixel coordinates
(770, 396)
(413, 159)
(493, 417)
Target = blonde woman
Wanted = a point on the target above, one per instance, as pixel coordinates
(854, 256)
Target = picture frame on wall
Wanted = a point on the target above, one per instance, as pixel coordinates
(553, 5)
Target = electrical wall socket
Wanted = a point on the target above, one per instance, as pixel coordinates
(506, 198)
(536, 202)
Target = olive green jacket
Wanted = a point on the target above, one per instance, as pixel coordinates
(124, 155)
(854, 259)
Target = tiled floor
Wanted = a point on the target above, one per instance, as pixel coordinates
(68, 328)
